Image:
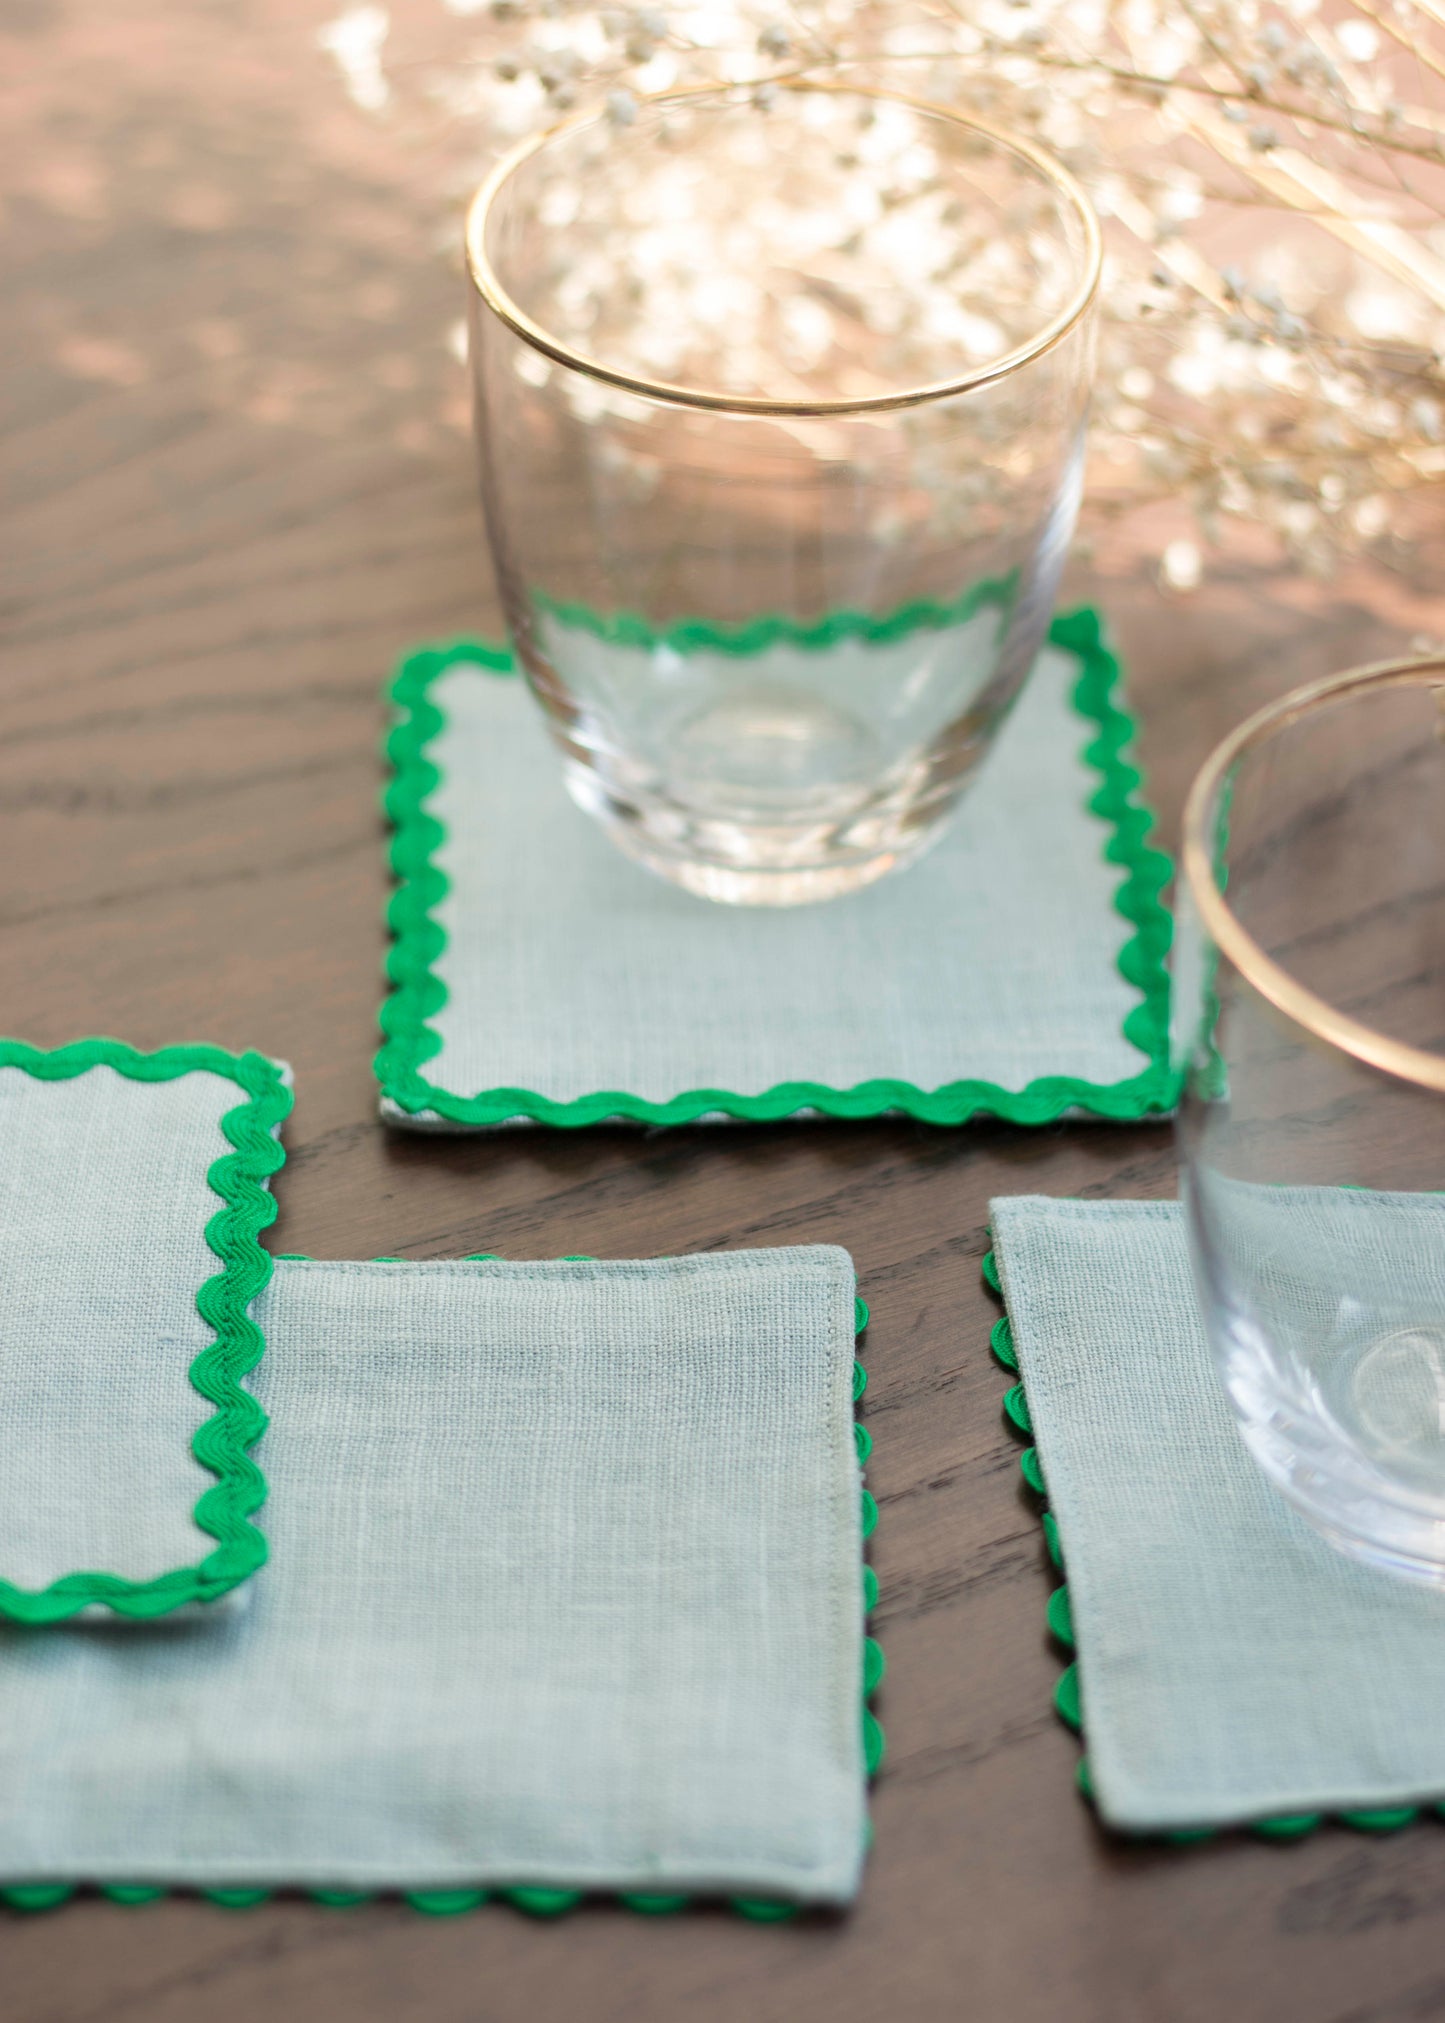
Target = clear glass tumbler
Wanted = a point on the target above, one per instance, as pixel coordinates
(780, 403)
(1310, 983)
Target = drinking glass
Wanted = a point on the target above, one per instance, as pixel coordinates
(780, 402)
(1310, 973)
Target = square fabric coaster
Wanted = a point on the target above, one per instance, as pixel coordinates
(1016, 970)
(565, 1590)
(1232, 1667)
(133, 1191)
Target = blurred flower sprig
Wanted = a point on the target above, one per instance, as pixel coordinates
(1271, 177)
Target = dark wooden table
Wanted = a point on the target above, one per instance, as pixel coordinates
(236, 483)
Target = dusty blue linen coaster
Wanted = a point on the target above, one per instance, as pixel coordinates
(134, 1188)
(1231, 1666)
(538, 976)
(565, 1593)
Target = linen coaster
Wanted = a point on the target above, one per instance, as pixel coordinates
(566, 1593)
(538, 975)
(133, 1191)
(1232, 1667)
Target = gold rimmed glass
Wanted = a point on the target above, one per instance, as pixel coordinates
(1310, 995)
(780, 408)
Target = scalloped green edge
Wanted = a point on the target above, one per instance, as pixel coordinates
(1068, 1698)
(221, 1444)
(756, 635)
(538, 1901)
(418, 939)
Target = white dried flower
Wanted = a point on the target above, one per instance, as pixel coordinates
(1262, 139)
(621, 107)
(354, 39)
(774, 40)
(1359, 39)
(556, 69)
(1181, 567)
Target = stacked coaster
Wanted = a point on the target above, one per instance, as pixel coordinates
(1231, 1666)
(538, 976)
(133, 1193)
(565, 1587)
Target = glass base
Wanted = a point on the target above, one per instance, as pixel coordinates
(1355, 1499)
(759, 863)
(795, 885)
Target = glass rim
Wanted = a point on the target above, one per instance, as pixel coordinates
(1314, 1014)
(488, 284)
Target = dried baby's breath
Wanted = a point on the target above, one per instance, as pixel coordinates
(1271, 178)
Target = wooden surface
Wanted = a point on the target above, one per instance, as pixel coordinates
(235, 484)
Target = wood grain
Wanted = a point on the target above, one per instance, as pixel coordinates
(235, 486)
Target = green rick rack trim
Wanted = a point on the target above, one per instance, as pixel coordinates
(1068, 1693)
(535, 1900)
(222, 1444)
(418, 939)
(756, 635)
